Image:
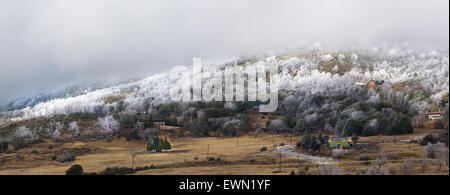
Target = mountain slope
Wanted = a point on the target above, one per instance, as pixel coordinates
(315, 71)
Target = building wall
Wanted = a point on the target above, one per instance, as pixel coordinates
(434, 117)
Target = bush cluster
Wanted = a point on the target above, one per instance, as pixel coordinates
(75, 170)
(309, 142)
(117, 171)
(158, 144)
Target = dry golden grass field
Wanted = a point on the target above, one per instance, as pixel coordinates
(188, 156)
(232, 156)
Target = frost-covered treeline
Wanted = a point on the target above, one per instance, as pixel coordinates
(304, 76)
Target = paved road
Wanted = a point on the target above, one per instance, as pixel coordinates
(288, 150)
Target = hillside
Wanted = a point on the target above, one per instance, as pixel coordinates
(312, 70)
(322, 94)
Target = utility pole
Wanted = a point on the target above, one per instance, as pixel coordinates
(280, 160)
(273, 142)
(207, 152)
(132, 163)
(237, 140)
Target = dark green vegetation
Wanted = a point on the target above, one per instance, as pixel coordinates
(311, 142)
(158, 144)
(78, 170)
(75, 170)
(364, 112)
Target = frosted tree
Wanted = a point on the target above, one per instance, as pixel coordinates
(24, 132)
(107, 126)
(230, 106)
(56, 134)
(200, 115)
(290, 104)
(299, 76)
(278, 126)
(421, 109)
(73, 128)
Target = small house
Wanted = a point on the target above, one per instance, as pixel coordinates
(375, 83)
(434, 115)
(340, 142)
(361, 84)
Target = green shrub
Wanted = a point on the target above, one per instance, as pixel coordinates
(354, 127)
(75, 170)
(66, 157)
(117, 171)
(163, 113)
(264, 148)
(133, 134)
(216, 112)
(429, 139)
(301, 126)
(323, 139)
(290, 122)
(369, 132)
(318, 100)
(400, 125)
(363, 158)
(146, 167)
(309, 142)
(128, 121)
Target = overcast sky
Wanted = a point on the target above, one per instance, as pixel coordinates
(48, 44)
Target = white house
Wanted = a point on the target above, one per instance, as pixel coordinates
(434, 115)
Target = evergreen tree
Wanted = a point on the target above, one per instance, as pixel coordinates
(150, 145)
(156, 143)
(168, 146)
(160, 144)
(344, 132)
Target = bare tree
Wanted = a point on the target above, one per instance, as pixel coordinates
(302, 170)
(376, 170)
(73, 128)
(442, 156)
(407, 167)
(424, 163)
(381, 160)
(329, 169)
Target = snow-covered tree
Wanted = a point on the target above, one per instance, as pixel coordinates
(24, 132)
(73, 128)
(107, 125)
